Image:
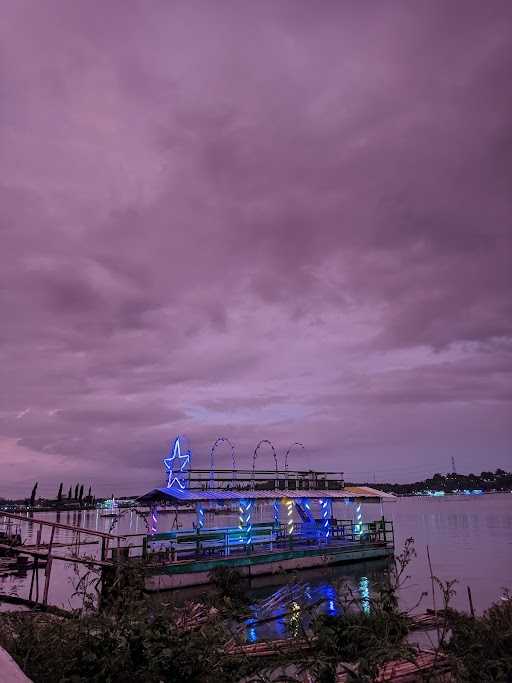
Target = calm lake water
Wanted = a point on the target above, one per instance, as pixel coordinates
(470, 539)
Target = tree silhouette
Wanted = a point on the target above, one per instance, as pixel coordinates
(59, 494)
(81, 494)
(33, 495)
(69, 493)
(76, 492)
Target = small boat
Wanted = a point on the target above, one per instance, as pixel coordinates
(111, 508)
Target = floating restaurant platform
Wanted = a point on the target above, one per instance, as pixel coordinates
(313, 520)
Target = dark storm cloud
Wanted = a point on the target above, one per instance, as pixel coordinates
(257, 220)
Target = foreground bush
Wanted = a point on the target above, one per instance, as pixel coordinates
(130, 645)
(134, 639)
(480, 648)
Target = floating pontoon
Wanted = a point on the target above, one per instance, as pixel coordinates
(301, 529)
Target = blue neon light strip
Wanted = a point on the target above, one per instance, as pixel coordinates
(177, 465)
(359, 520)
(277, 519)
(244, 522)
(200, 517)
(326, 515)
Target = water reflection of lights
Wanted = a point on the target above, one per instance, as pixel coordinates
(328, 593)
(252, 636)
(280, 625)
(294, 619)
(364, 593)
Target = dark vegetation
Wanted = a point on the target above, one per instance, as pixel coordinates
(451, 483)
(496, 481)
(481, 648)
(133, 638)
(75, 498)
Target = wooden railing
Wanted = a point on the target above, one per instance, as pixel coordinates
(227, 540)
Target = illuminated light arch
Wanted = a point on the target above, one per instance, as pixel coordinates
(296, 443)
(255, 455)
(220, 440)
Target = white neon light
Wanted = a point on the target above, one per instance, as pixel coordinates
(359, 520)
(289, 506)
(176, 476)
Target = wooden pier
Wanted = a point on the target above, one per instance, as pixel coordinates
(43, 555)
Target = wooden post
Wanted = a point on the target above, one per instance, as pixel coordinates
(471, 608)
(32, 579)
(431, 580)
(433, 591)
(51, 541)
(47, 573)
(36, 565)
(38, 537)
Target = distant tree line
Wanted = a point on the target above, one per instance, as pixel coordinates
(73, 496)
(499, 480)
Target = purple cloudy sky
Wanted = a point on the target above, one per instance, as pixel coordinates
(282, 220)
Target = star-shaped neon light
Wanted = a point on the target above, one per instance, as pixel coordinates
(178, 468)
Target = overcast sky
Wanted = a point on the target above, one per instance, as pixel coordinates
(281, 220)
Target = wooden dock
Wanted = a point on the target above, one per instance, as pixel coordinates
(43, 553)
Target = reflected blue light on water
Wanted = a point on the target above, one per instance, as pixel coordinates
(252, 636)
(280, 623)
(364, 593)
(469, 536)
(328, 593)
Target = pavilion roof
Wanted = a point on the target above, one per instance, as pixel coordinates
(184, 496)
